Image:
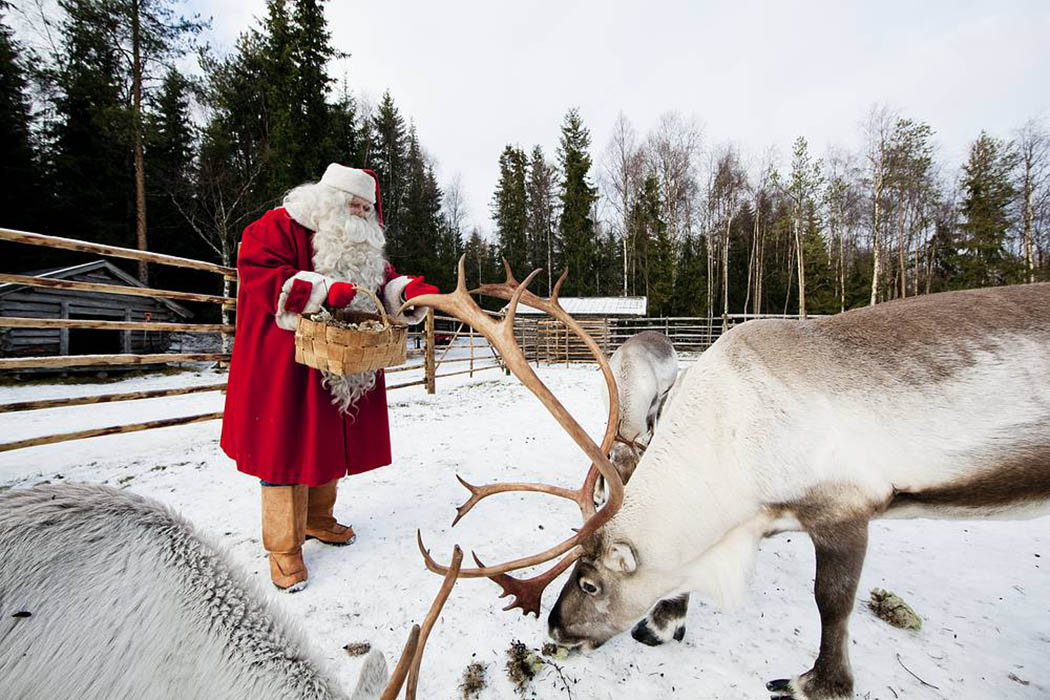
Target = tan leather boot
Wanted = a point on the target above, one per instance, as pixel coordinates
(320, 524)
(283, 531)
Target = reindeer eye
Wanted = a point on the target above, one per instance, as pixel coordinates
(589, 587)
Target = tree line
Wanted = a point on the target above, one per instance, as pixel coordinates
(107, 138)
(111, 141)
(701, 232)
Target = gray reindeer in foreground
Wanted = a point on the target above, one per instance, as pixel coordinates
(106, 594)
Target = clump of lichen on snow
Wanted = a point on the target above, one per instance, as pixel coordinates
(891, 607)
(522, 665)
(473, 681)
(556, 651)
(357, 648)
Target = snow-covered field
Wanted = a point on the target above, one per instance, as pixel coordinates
(983, 588)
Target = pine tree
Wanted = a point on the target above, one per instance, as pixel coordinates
(343, 131)
(579, 249)
(482, 265)
(509, 210)
(656, 252)
(609, 271)
(540, 219)
(232, 183)
(820, 275)
(308, 105)
(19, 167)
(91, 163)
(442, 270)
(690, 285)
(151, 33)
(278, 92)
(388, 159)
(170, 157)
(420, 215)
(986, 218)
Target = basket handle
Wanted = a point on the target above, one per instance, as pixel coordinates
(379, 305)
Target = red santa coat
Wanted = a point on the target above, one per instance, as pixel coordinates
(279, 423)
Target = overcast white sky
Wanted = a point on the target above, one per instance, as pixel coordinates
(477, 75)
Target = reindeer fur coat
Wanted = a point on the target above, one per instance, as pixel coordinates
(106, 594)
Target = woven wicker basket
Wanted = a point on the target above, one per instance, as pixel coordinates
(346, 351)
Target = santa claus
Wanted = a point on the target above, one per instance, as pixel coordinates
(297, 429)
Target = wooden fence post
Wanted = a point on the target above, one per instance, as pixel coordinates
(429, 368)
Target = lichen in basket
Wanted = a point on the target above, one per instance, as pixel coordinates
(329, 319)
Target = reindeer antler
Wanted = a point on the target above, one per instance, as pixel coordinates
(412, 654)
(500, 334)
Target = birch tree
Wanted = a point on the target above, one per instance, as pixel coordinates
(621, 174)
(877, 131)
(801, 189)
(1033, 153)
(729, 185)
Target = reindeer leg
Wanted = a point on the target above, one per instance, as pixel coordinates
(840, 549)
(666, 621)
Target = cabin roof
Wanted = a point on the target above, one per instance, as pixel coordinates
(72, 271)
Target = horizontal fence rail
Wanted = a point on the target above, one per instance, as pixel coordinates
(113, 430)
(38, 239)
(109, 398)
(115, 289)
(38, 328)
(104, 360)
(17, 322)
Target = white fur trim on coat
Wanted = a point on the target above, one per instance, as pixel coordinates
(394, 297)
(289, 320)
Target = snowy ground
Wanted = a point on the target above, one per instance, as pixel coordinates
(983, 588)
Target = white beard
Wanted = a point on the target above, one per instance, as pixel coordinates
(348, 248)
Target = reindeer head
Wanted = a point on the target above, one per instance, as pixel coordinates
(605, 594)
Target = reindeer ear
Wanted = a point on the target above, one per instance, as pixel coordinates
(620, 557)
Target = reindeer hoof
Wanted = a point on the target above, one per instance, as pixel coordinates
(679, 634)
(780, 688)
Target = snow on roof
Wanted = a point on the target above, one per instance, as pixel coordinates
(596, 306)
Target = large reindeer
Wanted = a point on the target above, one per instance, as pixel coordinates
(935, 406)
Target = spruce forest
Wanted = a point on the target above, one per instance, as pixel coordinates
(106, 137)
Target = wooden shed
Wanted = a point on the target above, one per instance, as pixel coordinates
(56, 303)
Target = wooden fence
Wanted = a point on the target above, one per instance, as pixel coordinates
(116, 359)
(442, 342)
(434, 344)
(548, 340)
